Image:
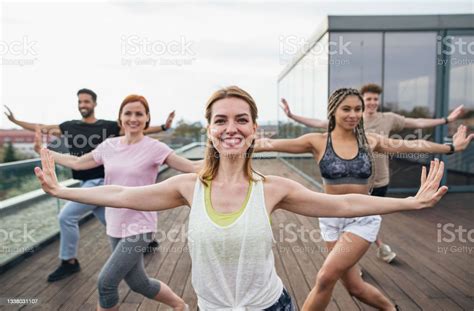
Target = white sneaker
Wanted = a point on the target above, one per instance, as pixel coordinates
(385, 253)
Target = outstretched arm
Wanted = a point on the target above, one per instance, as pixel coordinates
(182, 164)
(310, 122)
(387, 145)
(155, 197)
(46, 129)
(167, 125)
(303, 201)
(422, 123)
(301, 144)
(83, 162)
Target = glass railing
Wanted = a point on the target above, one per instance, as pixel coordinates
(18, 177)
(28, 216)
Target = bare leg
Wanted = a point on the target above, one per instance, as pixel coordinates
(344, 255)
(167, 296)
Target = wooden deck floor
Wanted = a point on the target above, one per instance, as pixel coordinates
(423, 276)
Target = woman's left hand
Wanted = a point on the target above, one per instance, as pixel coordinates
(429, 193)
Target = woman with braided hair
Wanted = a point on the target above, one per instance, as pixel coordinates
(346, 160)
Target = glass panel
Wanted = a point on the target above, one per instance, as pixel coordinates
(321, 76)
(305, 87)
(355, 59)
(18, 177)
(409, 90)
(461, 92)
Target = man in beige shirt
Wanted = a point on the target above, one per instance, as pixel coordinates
(382, 123)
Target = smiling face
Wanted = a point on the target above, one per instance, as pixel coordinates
(133, 118)
(349, 113)
(371, 101)
(231, 129)
(86, 105)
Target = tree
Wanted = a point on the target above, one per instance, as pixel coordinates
(191, 131)
(9, 155)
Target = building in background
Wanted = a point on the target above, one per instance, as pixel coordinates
(425, 65)
(22, 141)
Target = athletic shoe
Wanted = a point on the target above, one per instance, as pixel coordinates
(152, 247)
(64, 270)
(385, 253)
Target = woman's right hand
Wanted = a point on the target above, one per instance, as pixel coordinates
(47, 175)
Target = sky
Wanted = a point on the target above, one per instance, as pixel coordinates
(176, 54)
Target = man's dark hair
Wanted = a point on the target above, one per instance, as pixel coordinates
(90, 92)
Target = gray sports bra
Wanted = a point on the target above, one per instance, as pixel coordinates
(336, 171)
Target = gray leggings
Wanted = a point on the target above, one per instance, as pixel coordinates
(126, 263)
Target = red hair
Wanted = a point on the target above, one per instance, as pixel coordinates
(131, 99)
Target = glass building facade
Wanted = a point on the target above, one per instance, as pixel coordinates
(425, 65)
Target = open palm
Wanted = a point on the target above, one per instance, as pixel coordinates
(286, 108)
(456, 113)
(430, 193)
(460, 139)
(47, 175)
(9, 114)
(169, 120)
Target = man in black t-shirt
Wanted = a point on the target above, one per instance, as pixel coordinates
(81, 136)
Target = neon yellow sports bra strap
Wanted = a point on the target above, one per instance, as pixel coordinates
(224, 219)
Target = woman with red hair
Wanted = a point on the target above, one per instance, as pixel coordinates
(131, 160)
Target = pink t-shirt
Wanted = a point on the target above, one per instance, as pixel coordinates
(130, 165)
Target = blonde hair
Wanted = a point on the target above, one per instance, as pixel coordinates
(212, 156)
(336, 98)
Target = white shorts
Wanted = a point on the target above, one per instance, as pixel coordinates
(365, 227)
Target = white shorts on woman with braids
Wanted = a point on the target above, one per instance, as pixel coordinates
(364, 227)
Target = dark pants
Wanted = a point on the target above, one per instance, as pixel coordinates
(283, 304)
(380, 191)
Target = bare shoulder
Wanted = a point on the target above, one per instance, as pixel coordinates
(317, 141)
(186, 180)
(277, 185)
(275, 190)
(184, 184)
(314, 136)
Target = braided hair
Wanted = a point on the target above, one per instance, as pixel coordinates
(336, 98)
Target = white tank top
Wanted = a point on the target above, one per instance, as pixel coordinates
(233, 267)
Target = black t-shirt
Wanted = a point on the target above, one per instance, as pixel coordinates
(84, 137)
